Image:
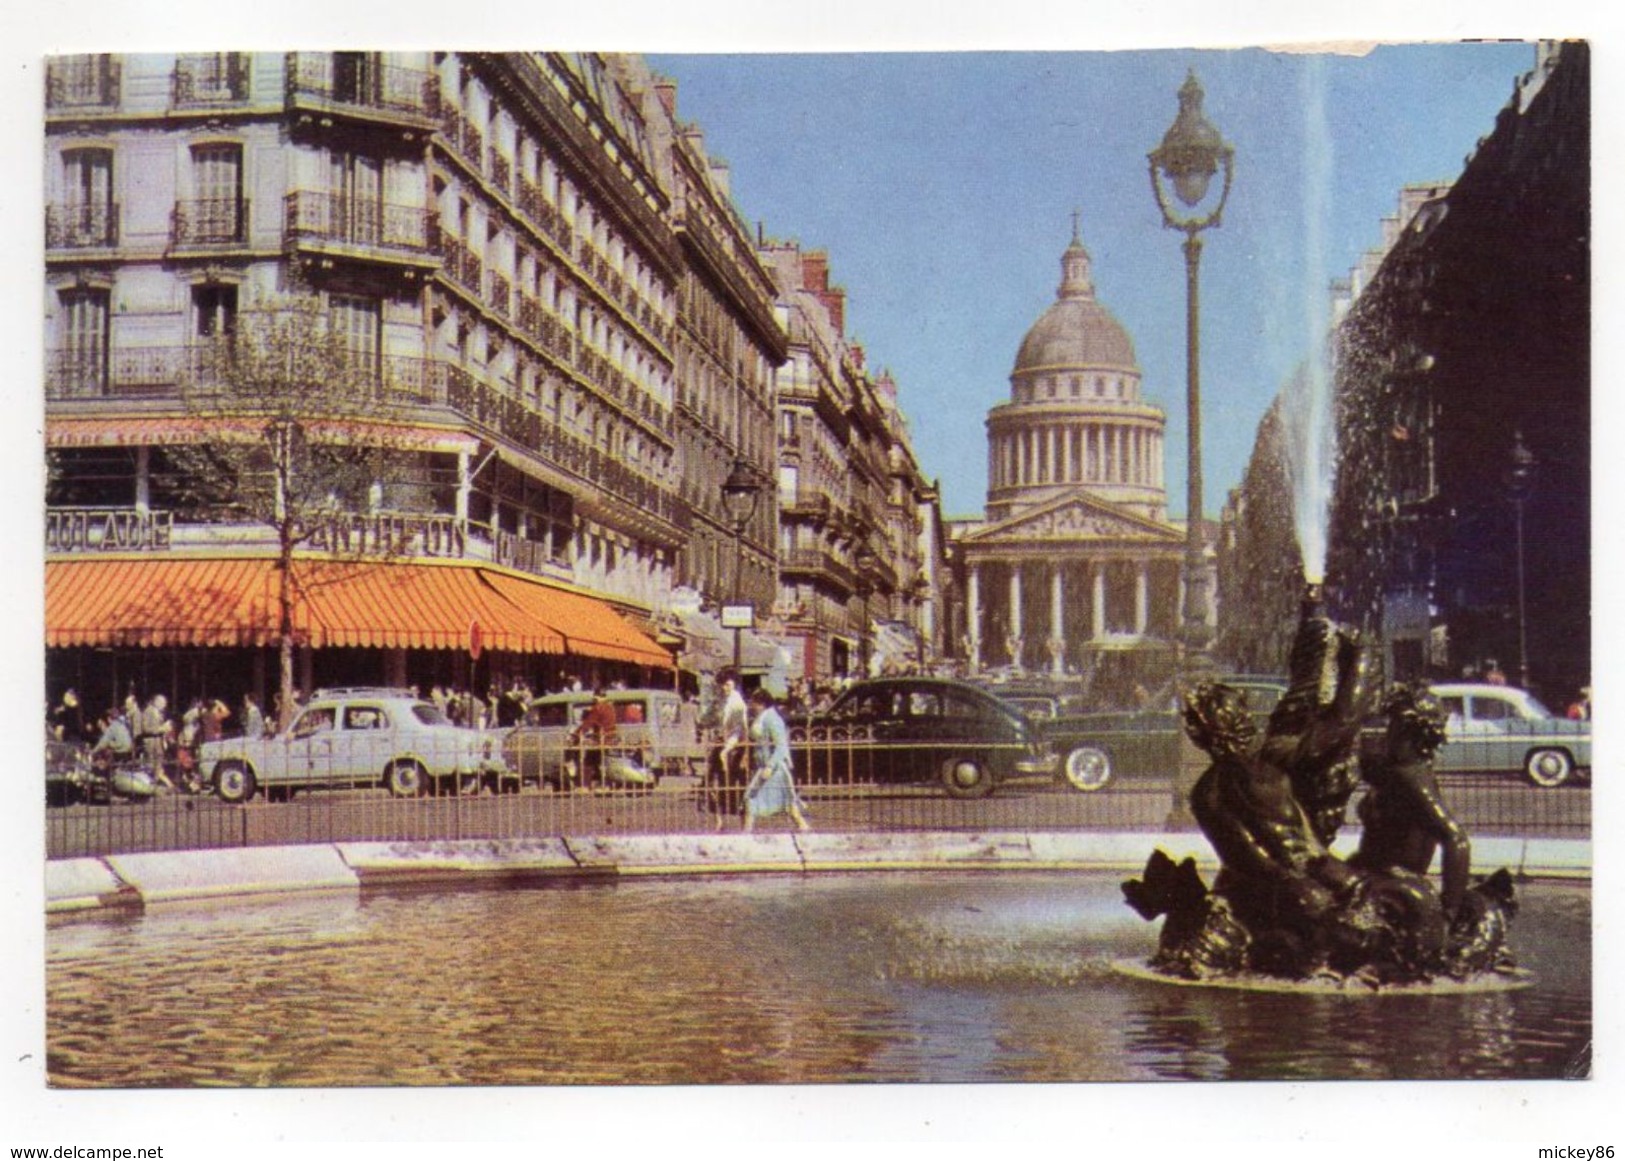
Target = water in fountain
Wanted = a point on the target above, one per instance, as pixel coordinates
(1307, 402)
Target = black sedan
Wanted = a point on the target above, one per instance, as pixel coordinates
(1096, 748)
(921, 730)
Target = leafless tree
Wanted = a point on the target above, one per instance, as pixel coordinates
(292, 440)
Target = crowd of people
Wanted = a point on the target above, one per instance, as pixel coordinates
(167, 745)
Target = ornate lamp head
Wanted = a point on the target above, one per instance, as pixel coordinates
(1190, 153)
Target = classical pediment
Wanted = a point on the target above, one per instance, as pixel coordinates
(1077, 516)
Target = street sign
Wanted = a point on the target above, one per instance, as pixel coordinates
(738, 616)
(476, 639)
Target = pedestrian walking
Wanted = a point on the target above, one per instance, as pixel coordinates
(253, 717)
(68, 720)
(593, 737)
(772, 788)
(154, 737)
(727, 770)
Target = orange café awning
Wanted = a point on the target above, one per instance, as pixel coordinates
(232, 602)
(589, 626)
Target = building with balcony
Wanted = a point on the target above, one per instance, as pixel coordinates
(727, 345)
(1075, 568)
(488, 238)
(1464, 337)
(854, 511)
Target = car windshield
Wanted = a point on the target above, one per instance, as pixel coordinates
(429, 714)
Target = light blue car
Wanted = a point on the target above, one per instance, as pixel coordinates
(1501, 729)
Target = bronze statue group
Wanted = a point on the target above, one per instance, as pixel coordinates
(1271, 804)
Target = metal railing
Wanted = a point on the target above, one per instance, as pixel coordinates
(82, 82)
(361, 81)
(75, 227)
(355, 221)
(211, 78)
(209, 222)
(555, 786)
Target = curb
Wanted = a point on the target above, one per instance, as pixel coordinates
(88, 885)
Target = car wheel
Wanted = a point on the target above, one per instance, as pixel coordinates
(233, 782)
(405, 779)
(1548, 767)
(1088, 768)
(966, 778)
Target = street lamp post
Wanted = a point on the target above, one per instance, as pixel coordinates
(921, 592)
(1520, 475)
(1190, 154)
(741, 493)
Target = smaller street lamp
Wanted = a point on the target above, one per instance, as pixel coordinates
(1519, 478)
(864, 562)
(921, 592)
(741, 493)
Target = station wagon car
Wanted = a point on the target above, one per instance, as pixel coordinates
(654, 727)
(1503, 729)
(358, 737)
(921, 730)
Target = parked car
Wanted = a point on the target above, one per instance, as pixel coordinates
(655, 730)
(1503, 729)
(1096, 748)
(1036, 699)
(920, 730)
(359, 737)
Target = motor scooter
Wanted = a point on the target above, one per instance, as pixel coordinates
(607, 767)
(112, 778)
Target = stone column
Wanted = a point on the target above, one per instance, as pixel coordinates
(1015, 611)
(973, 615)
(1066, 453)
(1142, 599)
(1051, 470)
(1097, 610)
(1057, 617)
(465, 485)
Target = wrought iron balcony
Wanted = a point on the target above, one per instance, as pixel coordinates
(441, 383)
(76, 374)
(543, 213)
(804, 502)
(461, 264)
(820, 562)
(82, 82)
(498, 293)
(313, 217)
(463, 136)
(80, 227)
(209, 79)
(361, 83)
(209, 222)
(130, 373)
(499, 168)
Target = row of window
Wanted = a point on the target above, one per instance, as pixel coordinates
(1116, 387)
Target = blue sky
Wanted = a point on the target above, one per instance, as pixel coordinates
(943, 185)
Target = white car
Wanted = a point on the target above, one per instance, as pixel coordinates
(359, 737)
(1500, 728)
